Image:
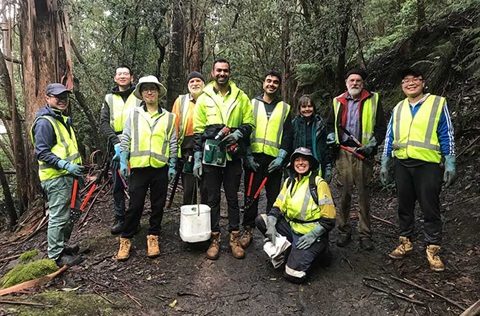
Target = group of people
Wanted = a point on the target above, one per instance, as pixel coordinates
(218, 134)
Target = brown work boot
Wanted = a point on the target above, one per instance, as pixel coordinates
(124, 250)
(403, 249)
(436, 263)
(213, 251)
(247, 236)
(153, 250)
(237, 249)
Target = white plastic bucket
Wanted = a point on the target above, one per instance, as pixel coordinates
(195, 223)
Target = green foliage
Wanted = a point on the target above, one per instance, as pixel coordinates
(28, 271)
(28, 256)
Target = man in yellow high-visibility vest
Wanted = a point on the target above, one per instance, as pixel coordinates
(115, 109)
(419, 133)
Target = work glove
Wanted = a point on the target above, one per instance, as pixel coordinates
(232, 138)
(73, 168)
(250, 163)
(308, 239)
(328, 173)
(116, 156)
(384, 170)
(277, 162)
(331, 139)
(271, 232)
(449, 170)
(124, 165)
(197, 165)
(172, 169)
(368, 149)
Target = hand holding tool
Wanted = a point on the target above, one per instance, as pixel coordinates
(197, 165)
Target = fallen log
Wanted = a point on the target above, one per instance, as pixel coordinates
(472, 310)
(32, 283)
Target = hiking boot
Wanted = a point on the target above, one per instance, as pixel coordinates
(436, 263)
(213, 251)
(403, 249)
(117, 226)
(366, 243)
(68, 260)
(237, 249)
(343, 239)
(153, 250)
(72, 250)
(124, 250)
(247, 236)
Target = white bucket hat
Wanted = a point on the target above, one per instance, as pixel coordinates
(149, 79)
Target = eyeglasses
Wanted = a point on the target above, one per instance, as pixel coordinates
(59, 97)
(151, 89)
(412, 80)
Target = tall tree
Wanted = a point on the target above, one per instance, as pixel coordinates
(176, 76)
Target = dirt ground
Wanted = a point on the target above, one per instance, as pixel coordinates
(183, 282)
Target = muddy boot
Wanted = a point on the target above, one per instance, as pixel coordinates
(117, 226)
(213, 251)
(153, 250)
(343, 240)
(246, 237)
(436, 263)
(403, 249)
(237, 249)
(124, 250)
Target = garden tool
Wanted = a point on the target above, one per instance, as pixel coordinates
(249, 200)
(350, 135)
(74, 212)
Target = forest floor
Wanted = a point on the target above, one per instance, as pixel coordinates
(183, 282)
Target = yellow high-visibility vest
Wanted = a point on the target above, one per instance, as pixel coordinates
(119, 110)
(369, 116)
(150, 145)
(416, 137)
(66, 148)
(267, 136)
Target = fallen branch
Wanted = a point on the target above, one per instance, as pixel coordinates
(468, 147)
(406, 281)
(472, 310)
(392, 292)
(9, 258)
(132, 298)
(25, 303)
(383, 220)
(346, 259)
(32, 283)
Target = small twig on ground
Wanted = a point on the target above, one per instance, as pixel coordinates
(187, 294)
(133, 298)
(391, 292)
(346, 259)
(468, 147)
(383, 220)
(210, 311)
(406, 281)
(25, 303)
(106, 299)
(9, 258)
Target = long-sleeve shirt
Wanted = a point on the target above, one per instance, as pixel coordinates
(445, 131)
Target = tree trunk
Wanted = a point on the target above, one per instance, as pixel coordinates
(421, 17)
(175, 79)
(12, 213)
(287, 82)
(345, 11)
(195, 37)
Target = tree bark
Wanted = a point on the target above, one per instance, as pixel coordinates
(345, 12)
(175, 79)
(12, 213)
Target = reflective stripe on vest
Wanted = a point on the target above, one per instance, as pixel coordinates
(120, 110)
(369, 116)
(416, 137)
(150, 145)
(66, 148)
(182, 126)
(309, 211)
(267, 136)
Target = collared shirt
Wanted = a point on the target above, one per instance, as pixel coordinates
(353, 118)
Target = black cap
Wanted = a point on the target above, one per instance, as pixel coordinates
(357, 71)
(56, 89)
(195, 74)
(410, 72)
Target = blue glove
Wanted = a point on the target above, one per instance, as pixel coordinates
(449, 170)
(124, 164)
(331, 139)
(232, 138)
(277, 162)
(367, 149)
(384, 170)
(328, 173)
(250, 163)
(172, 169)
(73, 168)
(197, 165)
(271, 232)
(308, 239)
(116, 156)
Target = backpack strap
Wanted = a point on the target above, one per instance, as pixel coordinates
(312, 184)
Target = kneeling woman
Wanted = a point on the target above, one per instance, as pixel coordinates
(304, 213)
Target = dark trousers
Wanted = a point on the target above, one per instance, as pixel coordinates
(298, 261)
(272, 187)
(230, 176)
(118, 193)
(141, 179)
(422, 183)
